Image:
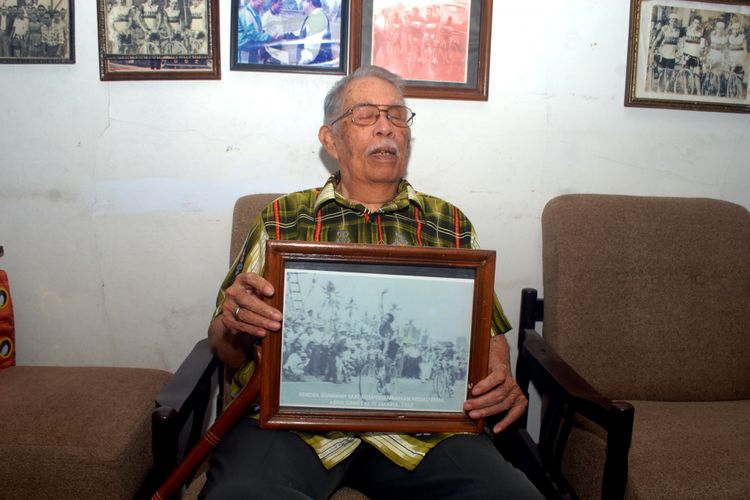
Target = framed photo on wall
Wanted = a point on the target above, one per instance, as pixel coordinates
(39, 32)
(375, 338)
(688, 54)
(158, 39)
(303, 36)
(442, 49)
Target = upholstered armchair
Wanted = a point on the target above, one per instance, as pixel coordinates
(183, 408)
(646, 326)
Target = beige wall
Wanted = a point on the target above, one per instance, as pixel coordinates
(116, 198)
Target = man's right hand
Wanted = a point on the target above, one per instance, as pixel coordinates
(244, 318)
(245, 310)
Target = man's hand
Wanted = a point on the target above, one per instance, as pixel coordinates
(498, 391)
(244, 317)
(244, 309)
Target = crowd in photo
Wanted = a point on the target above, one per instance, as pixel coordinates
(698, 52)
(433, 35)
(335, 349)
(34, 29)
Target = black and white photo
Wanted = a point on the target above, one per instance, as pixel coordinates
(37, 32)
(158, 39)
(348, 340)
(375, 337)
(689, 54)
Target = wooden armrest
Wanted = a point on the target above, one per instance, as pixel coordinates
(569, 394)
(195, 370)
(182, 408)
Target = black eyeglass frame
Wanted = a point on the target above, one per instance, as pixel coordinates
(382, 108)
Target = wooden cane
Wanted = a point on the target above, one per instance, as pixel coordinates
(210, 440)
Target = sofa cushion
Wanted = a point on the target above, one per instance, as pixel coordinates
(76, 432)
(679, 450)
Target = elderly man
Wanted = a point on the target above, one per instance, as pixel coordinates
(367, 131)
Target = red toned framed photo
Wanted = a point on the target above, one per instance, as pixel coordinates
(441, 48)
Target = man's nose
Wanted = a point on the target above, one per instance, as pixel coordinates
(383, 125)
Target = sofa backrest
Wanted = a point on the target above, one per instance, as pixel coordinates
(649, 297)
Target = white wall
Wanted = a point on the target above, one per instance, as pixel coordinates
(116, 198)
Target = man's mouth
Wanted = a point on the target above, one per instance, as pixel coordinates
(384, 151)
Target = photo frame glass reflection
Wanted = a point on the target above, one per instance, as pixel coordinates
(359, 338)
(307, 36)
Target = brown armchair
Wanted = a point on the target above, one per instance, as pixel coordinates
(647, 302)
(183, 410)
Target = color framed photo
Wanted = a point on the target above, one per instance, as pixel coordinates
(302, 36)
(375, 338)
(691, 55)
(442, 49)
(159, 39)
(39, 32)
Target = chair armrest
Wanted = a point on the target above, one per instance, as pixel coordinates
(182, 410)
(568, 394)
(197, 368)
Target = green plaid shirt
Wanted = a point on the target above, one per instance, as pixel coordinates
(411, 218)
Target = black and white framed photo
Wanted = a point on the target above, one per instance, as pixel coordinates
(37, 32)
(375, 338)
(687, 54)
(159, 39)
(303, 36)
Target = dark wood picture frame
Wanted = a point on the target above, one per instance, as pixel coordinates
(35, 47)
(284, 55)
(184, 45)
(431, 74)
(376, 401)
(683, 55)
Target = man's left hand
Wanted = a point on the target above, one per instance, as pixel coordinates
(498, 391)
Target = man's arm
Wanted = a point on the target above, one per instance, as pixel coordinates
(249, 36)
(498, 391)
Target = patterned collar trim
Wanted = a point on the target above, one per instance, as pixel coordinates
(405, 195)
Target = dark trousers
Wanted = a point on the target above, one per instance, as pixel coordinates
(278, 465)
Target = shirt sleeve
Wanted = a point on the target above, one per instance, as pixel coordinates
(251, 258)
(500, 323)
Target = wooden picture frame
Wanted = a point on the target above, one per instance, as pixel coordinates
(441, 49)
(353, 362)
(303, 42)
(46, 37)
(686, 54)
(158, 40)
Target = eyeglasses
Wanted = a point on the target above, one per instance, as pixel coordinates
(367, 114)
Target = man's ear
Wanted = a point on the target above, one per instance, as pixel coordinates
(325, 135)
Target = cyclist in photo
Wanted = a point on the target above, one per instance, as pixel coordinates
(415, 29)
(666, 43)
(121, 18)
(718, 43)
(175, 21)
(693, 45)
(737, 49)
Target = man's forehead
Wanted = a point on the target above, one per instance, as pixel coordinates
(371, 90)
